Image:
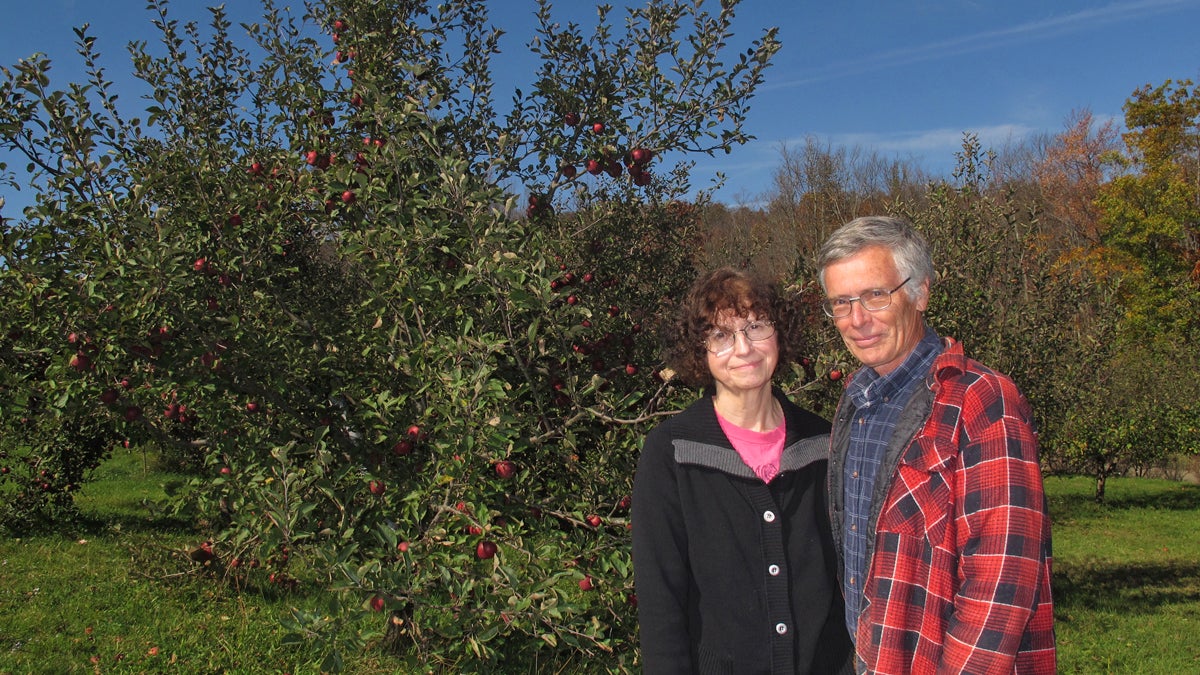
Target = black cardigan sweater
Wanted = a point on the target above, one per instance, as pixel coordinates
(734, 575)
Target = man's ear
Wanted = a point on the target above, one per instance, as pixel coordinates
(922, 301)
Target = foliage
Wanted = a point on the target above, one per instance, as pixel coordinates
(1132, 416)
(305, 276)
(1151, 215)
(1070, 175)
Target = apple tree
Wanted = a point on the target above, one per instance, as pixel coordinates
(404, 342)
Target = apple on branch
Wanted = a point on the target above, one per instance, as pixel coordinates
(486, 550)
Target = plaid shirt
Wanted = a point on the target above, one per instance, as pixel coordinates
(959, 566)
(878, 402)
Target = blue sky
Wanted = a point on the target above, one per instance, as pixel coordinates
(900, 78)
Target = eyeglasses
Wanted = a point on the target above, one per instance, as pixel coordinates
(721, 340)
(873, 300)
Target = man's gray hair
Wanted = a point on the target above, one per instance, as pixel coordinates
(910, 252)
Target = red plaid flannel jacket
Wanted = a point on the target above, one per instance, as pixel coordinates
(959, 576)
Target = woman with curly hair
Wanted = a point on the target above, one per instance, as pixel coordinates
(733, 558)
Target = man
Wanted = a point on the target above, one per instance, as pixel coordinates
(936, 499)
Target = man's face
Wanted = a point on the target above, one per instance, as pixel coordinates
(880, 340)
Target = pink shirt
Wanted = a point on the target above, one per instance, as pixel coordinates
(760, 450)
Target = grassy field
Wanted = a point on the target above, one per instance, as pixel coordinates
(118, 595)
(1127, 576)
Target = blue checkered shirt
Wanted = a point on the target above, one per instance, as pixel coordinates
(877, 403)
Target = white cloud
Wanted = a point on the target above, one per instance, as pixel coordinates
(943, 141)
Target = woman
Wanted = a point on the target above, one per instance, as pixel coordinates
(733, 558)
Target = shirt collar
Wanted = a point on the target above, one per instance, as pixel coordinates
(867, 386)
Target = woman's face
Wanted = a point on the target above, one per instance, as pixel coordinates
(749, 364)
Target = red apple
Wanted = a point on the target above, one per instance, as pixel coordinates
(252, 406)
(414, 431)
(598, 128)
(630, 369)
(225, 471)
(81, 362)
(594, 520)
(505, 469)
(234, 221)
(625, 502)
(402, 547)
(376, 487)
(585, 584)
(571, 299)
(835, 375)
(571, 119)
(403, 448)
(474, 530)
(568, 171)
(348, 197)
(641, 155)
(312, 157)
(256, 169)
(594, 167)
(339, 25)
(377, 604)
(485, 550)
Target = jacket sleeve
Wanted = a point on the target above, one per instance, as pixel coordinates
(1002, 531)
(662, 574)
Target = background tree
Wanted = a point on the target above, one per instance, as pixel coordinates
(1070, 173)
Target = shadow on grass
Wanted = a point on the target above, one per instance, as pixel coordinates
(1176, 497)
(1130, 588)
(107, 523)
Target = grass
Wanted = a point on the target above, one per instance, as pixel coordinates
(117, 596)
(1126, 576)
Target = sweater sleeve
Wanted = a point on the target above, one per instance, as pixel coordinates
(662, 573)
(1002, 531)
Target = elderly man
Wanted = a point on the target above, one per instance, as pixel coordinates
(938, 511)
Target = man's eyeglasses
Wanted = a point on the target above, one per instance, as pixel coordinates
(721, 340)
(873, 300)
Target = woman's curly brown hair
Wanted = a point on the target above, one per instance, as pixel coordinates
(716, 292)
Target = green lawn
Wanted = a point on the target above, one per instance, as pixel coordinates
(118, 595)
(1127, 576)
